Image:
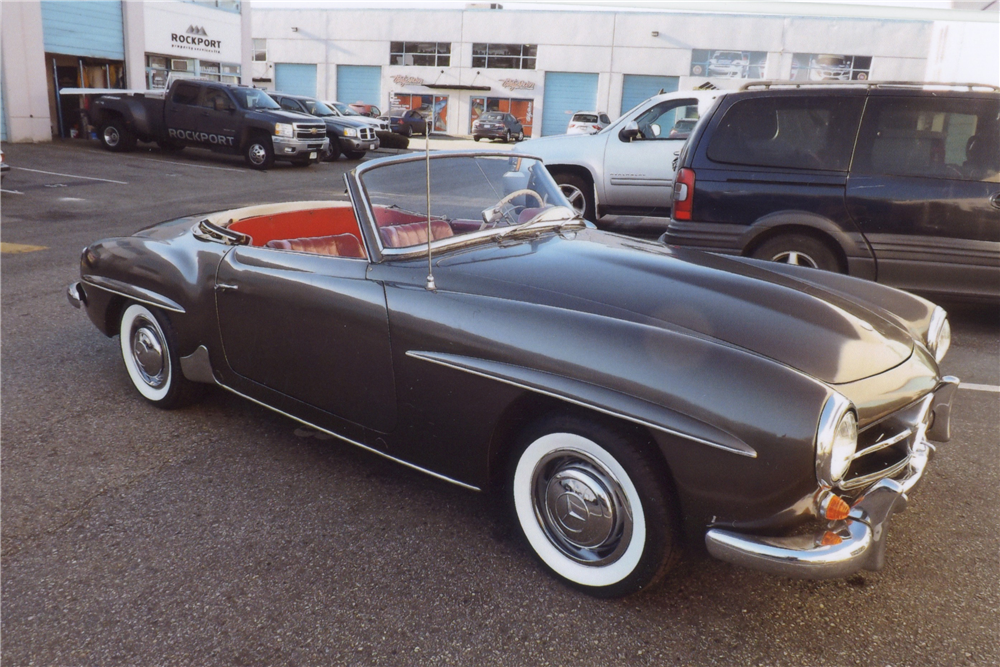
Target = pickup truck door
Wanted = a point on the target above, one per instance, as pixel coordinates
(217, 117)
(640, 172)
(182, 111)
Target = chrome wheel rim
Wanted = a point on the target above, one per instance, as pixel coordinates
(148, 353)
(581, 507)
(111, 136)
(795, 257)
(575, 197)
(257, 153)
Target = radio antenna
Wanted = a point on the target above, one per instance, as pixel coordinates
(427, 161)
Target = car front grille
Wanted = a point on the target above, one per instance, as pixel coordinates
(310, 130)
(884, 448)
(366, 133)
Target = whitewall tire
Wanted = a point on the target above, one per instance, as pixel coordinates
(148, 346)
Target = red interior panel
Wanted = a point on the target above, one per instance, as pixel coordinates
(330, 221)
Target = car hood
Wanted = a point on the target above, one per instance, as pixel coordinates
(820, 332)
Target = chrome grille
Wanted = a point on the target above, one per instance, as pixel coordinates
(884, 448)
(366, 133)
(310, 130)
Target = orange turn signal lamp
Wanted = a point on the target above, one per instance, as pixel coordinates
(837, 508)
(830, 539)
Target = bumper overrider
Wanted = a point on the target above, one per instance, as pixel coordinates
(858, 542)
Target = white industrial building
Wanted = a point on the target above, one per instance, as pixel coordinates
(453, 63)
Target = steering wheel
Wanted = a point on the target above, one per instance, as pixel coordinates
(498, 213)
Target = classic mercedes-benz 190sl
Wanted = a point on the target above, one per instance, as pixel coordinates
(456, 316)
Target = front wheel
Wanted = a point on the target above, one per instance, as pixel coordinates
(259, 152)
(798, 249)
(520, 135)
(593, 505)
(334, 150)
(149, 350)
(580, 194)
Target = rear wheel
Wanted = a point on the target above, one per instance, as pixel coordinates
(116, 136)
(259, 152)
(149, 350)
(799, 249)
(409, 130)
(506, 137)
(579, 192)
(593, 505)
(476, 138)
(520, 135)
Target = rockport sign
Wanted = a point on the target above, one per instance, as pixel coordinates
(195, 37)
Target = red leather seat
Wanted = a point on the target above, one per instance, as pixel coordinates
(340, 245)
(414, 233)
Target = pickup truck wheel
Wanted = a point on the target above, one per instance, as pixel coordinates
(579, 192)
(259, 152)
(116, 136)
(149, 349)
(594, 506)
(798, 249)
(334, 150)
(354, 155)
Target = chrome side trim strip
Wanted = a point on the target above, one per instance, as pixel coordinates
(348, 440)
(590, 406)
(141, 295)
(882, 444)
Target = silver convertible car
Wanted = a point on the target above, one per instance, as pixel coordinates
(626, 398)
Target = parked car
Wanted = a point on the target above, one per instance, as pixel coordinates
(497, 125)
(205, 114)
(889, 182)
(831, 68)
(351, 137)
(729, 64)
(4, 167)
(626, 168)
(623, 397)
(407, 122)
(587, 122)
(346, 111)
(369, 110)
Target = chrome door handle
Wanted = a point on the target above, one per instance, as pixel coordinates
(995, 200)
(225, 286)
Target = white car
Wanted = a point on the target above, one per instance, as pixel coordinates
(588, 122)
(342, 109)
(628, 167)
(729, 64)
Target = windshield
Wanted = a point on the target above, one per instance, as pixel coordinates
(492, 116)
(468, 194)
(344, 109)
(253, 98)
(317, 108)
(585, 118)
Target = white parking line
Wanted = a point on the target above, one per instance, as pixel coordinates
(980, 387)
(12, 192)
(157, 160)
(86, 178)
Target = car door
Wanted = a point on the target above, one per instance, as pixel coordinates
(639, 171)
(218, 118)
(924, 189)
(183, 110)
(312, 327)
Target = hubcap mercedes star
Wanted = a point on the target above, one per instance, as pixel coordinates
(257, 154)
(794, 257)
(581, 507)
(147, 351)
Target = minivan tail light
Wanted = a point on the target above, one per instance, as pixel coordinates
(683, 194)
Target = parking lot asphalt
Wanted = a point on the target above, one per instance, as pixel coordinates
(225, 534)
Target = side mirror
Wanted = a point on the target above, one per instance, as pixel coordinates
(630, 132)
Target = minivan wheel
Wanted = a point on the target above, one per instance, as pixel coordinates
(798, 249)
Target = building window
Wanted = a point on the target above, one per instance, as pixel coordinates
(160, 69)
(260, 50)
(420, 54)
(504, 56)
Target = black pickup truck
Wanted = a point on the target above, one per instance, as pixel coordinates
(204, 114)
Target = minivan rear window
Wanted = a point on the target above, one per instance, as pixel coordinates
(792, 132)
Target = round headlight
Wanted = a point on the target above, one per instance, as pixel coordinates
(845, 443)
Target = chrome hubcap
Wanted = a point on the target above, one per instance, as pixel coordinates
(581, 507)
(257, 154)
(795, 257)
(147, 351)
(575, 198)
(111, 137)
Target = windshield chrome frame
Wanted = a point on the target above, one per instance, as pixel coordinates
(447, 243)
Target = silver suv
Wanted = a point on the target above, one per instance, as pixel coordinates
(628, 167)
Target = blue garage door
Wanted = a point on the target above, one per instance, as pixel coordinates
(294, 79)
(92, 28)
(565, 94)
(638, 88)
(356, 83)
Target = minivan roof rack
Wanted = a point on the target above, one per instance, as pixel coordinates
(868, 84)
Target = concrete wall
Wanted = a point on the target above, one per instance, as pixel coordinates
(22, 59)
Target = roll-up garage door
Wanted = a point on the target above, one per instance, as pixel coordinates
(565, 94)
(91, 29)
(357, 83)
(639, 88)
(295, 79)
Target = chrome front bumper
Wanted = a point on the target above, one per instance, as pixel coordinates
(296, 148)
(847, 546)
